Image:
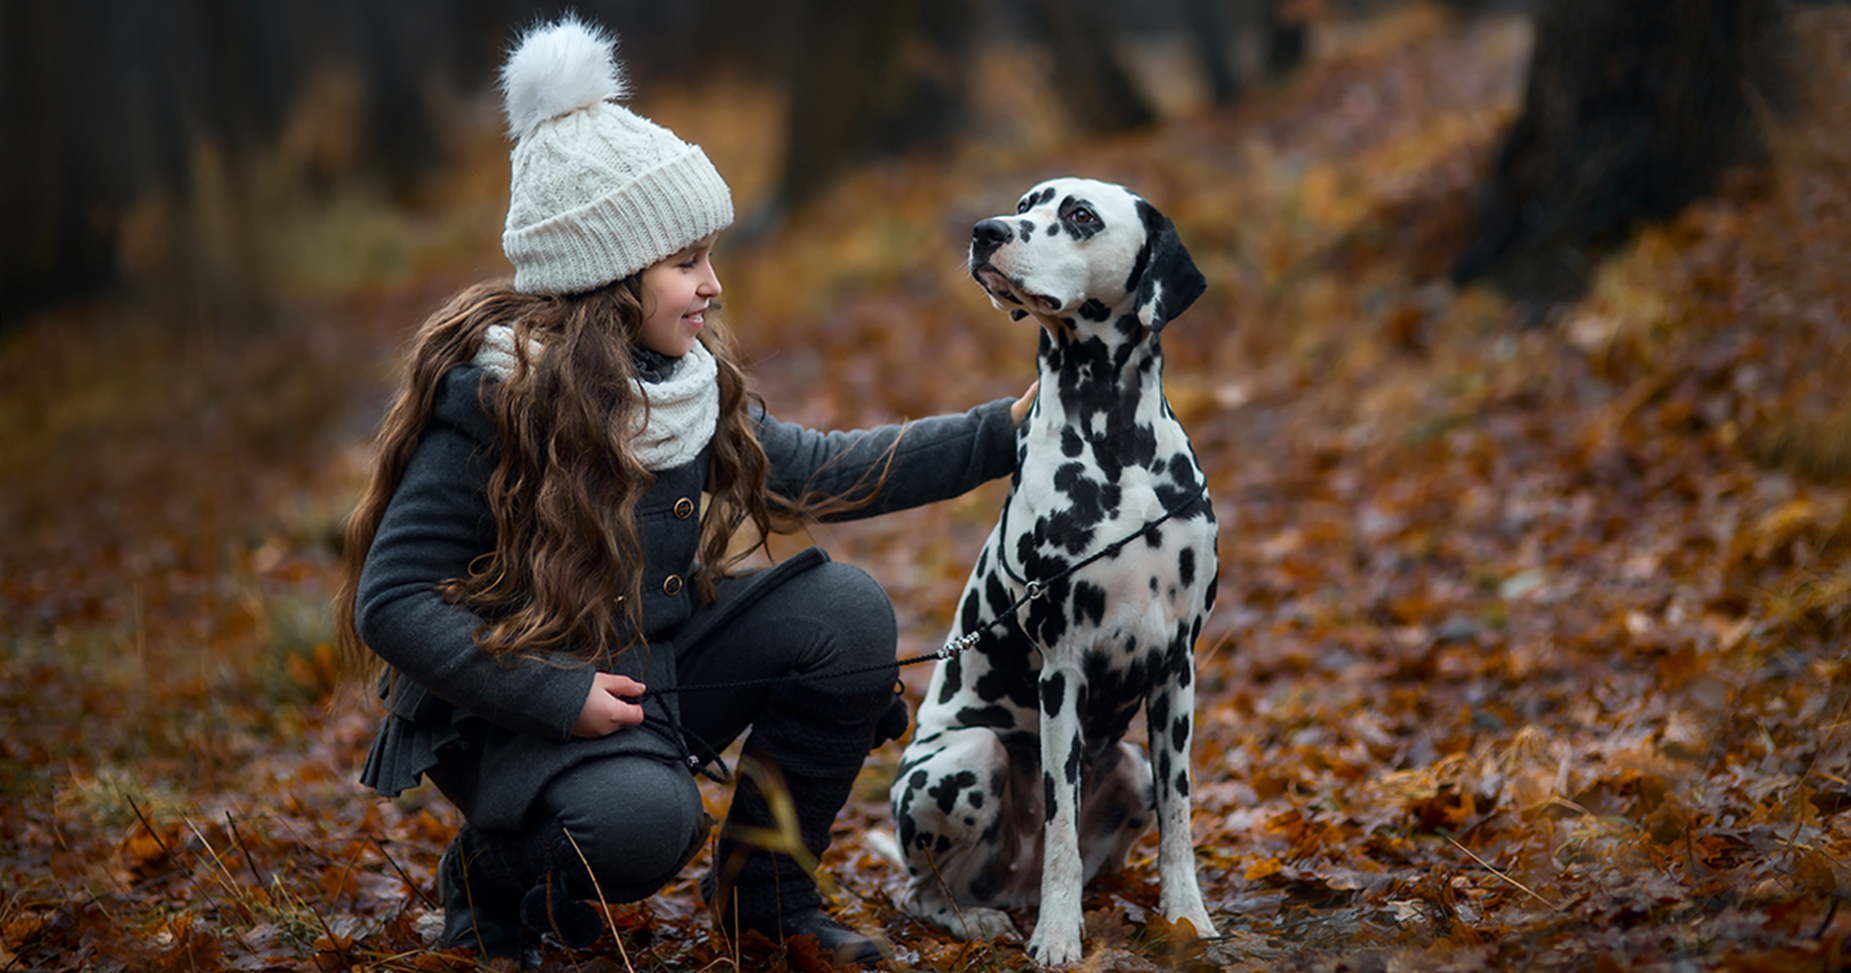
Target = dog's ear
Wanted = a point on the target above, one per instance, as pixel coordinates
(1165, 276)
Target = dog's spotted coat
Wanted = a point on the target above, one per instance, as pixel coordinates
(1018, 786)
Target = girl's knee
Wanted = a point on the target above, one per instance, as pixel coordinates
(859, 608)
(636, 825)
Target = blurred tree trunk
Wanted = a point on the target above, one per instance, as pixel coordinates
(180, 107)
(56, 243)
(1285, 34)
(869, 79)
(1211, 26)
(1089, 77)
(1631, 111)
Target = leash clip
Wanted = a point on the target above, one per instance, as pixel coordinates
(956, 646)
(1035, 589)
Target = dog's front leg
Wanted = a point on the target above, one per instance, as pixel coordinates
(1171, 715)
(1056, 941)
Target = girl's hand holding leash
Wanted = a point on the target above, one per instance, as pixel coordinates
(606, 710)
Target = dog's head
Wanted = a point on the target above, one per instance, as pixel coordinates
(1080, 250)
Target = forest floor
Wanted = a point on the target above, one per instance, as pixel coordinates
(1530, 652)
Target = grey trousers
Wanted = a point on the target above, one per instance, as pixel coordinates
(637, 820)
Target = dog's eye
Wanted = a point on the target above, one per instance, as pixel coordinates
(1083, 216)
(1021, 207)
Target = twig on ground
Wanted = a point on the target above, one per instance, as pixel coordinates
(1493, 870)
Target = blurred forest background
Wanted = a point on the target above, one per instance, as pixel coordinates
(1520, 385)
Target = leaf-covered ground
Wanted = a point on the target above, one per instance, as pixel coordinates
(1530, 647)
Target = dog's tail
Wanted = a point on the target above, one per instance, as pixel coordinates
(882, 843)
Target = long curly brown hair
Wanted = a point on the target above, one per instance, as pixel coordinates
(565, 573)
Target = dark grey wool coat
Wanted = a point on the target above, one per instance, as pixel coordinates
(443, 692)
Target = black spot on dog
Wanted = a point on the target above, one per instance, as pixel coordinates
(1053, 229)
(1179, 734)
(1072, 769)
(1033, 200)
(970, 612)
(1009, 678)
(1017, 314)
(948, 788)
(1047, 786)
(943, 845)
(995, 717)
(996, 593)
(1182, 782)
(954, 671)
(1025, 228)
(1070, 444)
(1088, 503)
(1088, 602)
(1158, 710)
(1183, 471)
(1053, 694)
(1140, 263)
(1095, 310)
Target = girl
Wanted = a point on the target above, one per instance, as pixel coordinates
(535, 565)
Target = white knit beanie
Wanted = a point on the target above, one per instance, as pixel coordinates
(598, 191)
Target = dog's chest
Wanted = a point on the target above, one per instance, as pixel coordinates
(1109, 516)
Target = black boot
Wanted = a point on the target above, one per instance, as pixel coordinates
(478, 913)
(502, 891)
(816, 745)
(557, 902)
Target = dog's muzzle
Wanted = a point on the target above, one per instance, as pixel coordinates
(987, 237)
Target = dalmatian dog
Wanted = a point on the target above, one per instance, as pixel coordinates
(1018, 785)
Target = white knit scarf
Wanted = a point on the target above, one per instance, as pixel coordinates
(683, 408)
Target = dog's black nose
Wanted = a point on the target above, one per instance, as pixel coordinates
(990, 234)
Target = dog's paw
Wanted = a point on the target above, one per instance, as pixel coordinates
(1204, 926)
(965, 922)
(976, 922)
(1050, 948)
(1187, 904)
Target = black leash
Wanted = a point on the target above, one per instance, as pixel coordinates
(1031, 590)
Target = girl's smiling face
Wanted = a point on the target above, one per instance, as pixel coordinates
(677, 292)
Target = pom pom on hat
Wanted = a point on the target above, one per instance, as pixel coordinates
(598, 192)
(557, 69)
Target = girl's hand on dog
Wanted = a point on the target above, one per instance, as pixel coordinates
(606, 710)
(1020, 407)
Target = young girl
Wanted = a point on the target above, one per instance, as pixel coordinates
(541, 558)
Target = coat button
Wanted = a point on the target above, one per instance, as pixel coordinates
(684, 508)
(671, 585)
